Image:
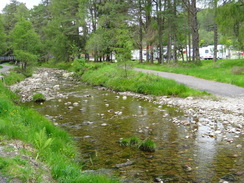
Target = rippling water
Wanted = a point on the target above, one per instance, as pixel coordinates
(97, 120)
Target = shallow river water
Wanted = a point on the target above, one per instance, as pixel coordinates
(98, 119)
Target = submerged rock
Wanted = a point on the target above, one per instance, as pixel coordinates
(129, 162)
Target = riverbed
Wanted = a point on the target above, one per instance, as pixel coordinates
(198, 140)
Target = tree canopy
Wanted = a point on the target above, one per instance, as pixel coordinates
(102, 28)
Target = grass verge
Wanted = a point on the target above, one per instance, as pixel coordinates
(226, 71)
(117, 78)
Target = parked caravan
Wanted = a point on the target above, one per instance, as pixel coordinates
(207, 53)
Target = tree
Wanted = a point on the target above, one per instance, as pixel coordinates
(12, 13)
(62, 30)
(25, 42)
(230, 20)
(3, 38)
(160, 21)
(190, 6)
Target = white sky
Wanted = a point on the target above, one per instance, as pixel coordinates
(29, 3)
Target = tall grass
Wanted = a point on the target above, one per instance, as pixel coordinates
(226, 71)
(54, 145)
(112, 76)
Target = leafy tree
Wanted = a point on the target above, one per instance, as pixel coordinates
(40, 17)
(231, 19)
(25, 42)
(13, 12)
(3, 38)
(63, 29)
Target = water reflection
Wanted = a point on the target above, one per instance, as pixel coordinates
(100, 118)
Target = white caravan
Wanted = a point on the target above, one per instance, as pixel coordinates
(207, 53)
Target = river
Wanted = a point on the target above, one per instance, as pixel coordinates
(97, 119)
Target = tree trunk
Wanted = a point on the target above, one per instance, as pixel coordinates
(215, 33)
(195, 35)
(160, 30)
(140, 32)
(151, 54)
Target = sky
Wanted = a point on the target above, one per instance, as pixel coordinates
(29, 3)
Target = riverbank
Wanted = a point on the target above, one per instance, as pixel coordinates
(43, 151)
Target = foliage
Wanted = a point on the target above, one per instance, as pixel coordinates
(38, 97)
(78, 65)
(42, 142)
(25, 42)
(53, 63)
(230, 22)
(3, 38)
(13, 12)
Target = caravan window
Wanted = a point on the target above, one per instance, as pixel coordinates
(206, 51)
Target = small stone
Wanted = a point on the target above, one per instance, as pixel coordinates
(158, 180)
(239, 146)
(239, 173)
(75, 104)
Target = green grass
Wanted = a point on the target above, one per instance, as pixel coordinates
(114, 77)
(38, 97)
(226, 71)
(146, 145)
(21, 167)
(52, 63)
(13, 77)
(54, 146)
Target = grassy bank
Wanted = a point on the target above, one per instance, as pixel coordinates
(226, 71)
(116, 77)
(43, 142)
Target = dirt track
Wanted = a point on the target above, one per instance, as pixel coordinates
(217, 88)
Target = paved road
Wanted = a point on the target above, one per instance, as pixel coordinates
(217, 88)
(5, 68)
